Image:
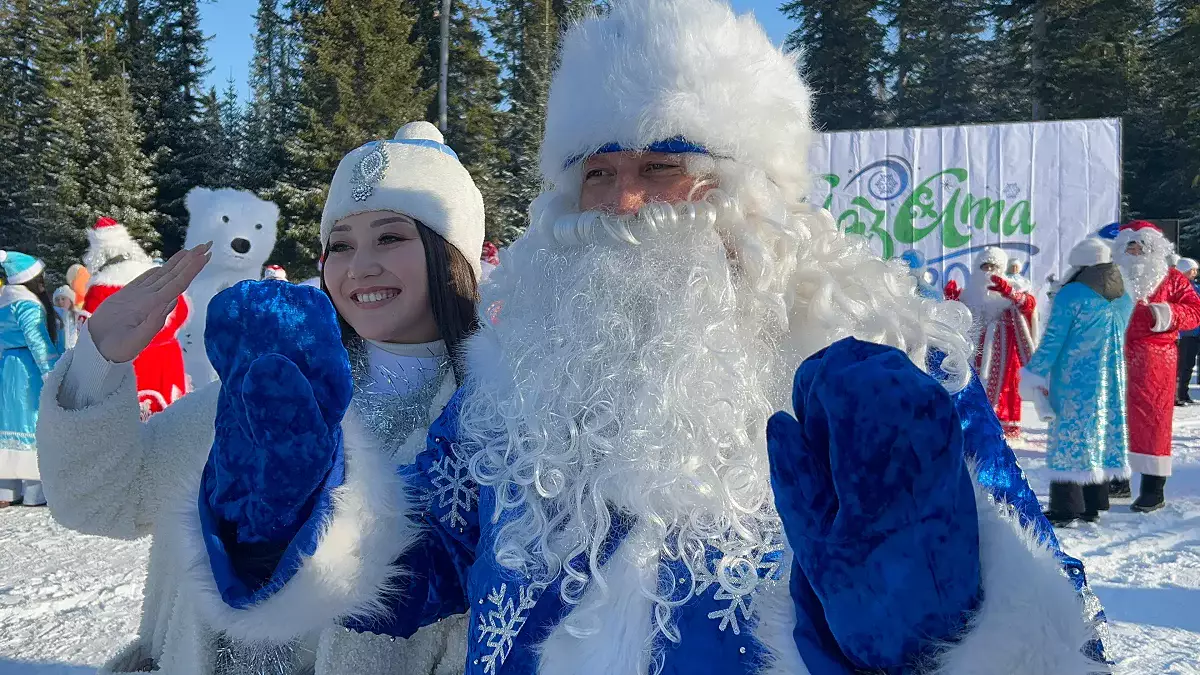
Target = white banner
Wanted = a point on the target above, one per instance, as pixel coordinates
(937, 196)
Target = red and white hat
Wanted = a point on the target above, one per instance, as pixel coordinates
(113, 257)
(1153, 242)
(274, 272)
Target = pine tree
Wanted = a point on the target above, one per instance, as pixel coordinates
(271, 116)
(1173, 171)
(212, 166)
(474, 118)
(99, 168)
(178, 142)
(360, 80)
(527, 33)
(842, 44)
(938, 64)
(233, 139)
(31, 34)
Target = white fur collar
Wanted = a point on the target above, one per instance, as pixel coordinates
(366, 533)
(13, 293)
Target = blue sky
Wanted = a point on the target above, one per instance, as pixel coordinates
(230, 25)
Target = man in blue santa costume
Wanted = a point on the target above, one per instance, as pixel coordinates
(612, 490)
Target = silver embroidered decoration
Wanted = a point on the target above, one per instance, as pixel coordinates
(369, 171)
(235, 657)
(500, 626)
(452, 488)
(741, 572)
(388, 414)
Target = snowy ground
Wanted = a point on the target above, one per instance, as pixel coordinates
(68, 601)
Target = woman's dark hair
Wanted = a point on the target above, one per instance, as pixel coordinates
(453, 295)
(38, 286)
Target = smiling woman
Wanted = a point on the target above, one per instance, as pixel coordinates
(401, 235)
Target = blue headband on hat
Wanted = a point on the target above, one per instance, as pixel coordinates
(671, 146)
(424, 143)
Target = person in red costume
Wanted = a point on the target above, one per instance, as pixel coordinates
(1003, 319)
(1166, 304)
(114, 259)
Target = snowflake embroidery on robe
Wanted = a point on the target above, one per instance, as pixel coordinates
(738, 575)
(500, 626)
(453, 488)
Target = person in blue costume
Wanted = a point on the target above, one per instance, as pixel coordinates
(29, 331)
(1080, 367)
(616, 487)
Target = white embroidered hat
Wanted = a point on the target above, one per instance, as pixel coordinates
(415, 174)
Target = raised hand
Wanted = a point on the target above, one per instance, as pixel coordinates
(125, 323)
(872, 487)
(1001, 286)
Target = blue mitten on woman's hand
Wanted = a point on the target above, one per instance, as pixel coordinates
(878, 506)
(285, 384)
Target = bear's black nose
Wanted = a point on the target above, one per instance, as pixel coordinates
(240, 245)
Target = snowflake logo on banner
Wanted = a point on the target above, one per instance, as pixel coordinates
(500, 626)
(738, 576)
(1012, 190)
(453, 489)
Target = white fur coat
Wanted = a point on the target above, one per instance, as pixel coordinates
(108, 474)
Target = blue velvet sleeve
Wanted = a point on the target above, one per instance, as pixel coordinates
(434, 569)
(31, 317)
(997, 471)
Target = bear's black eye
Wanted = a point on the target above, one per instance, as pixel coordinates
(258, 226)
(224, 219)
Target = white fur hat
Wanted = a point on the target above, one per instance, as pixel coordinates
(678, 76)
(993, 255)
(415, 174)
(1186, 265)
(1090, 251)
(113, 257)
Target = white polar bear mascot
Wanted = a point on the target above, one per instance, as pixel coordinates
(242, 229)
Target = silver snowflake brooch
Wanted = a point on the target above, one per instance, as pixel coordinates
(369, 172)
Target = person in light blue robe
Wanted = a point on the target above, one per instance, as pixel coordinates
(1080, 365)
(28, 332)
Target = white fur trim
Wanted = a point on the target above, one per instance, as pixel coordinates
(1151, 465)
(119, 274)
(14, 292)
(1030, 621)
(415, 443)
(775, 623)
(1186, 265)
(1162, 317)
(109, 242)
(1082, 477)
(617, 621)
(422, 182)
(28, 274)
(1090, 251)
(1030, 381)
(353, 564)
(1124, 473)
(653, 70)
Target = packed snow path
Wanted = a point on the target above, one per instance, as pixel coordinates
(68, 602)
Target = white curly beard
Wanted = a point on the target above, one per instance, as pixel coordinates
(1142, 273)
(635, 377)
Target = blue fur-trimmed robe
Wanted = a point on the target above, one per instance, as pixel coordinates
(1036, 614)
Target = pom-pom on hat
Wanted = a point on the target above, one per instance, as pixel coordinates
(415, 174)
(1090, 251)
(677, 76)
(20, 268)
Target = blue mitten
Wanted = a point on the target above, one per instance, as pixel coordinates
(878, 506)
(285, 384)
